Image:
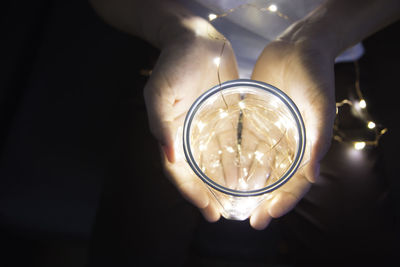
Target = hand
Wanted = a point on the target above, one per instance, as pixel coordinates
(184, 70)
(306, 75)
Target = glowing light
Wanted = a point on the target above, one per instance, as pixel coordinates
(202, 147)
(242, 105)
(217, 61)
(273, 8)
(201, 125)
(362, 103)
(219, 152)
(371, 125)
(222, 113)
(359, 145)
(242, 183)
(230, 149)
(259, 155)
(245, 172)
(274, 103)
(211, 17)
(278, 123)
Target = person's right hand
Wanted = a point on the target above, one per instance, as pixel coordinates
(305, 73)
(184, 70)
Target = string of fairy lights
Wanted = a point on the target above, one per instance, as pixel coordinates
(358, 105)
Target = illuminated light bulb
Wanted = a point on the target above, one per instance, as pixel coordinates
(201, 125)
(371, 125)
(274, 103)
(259, 155)
(278, 123)
(242, 105)
(242, 183)
(245, 172)
(212, 16)
(222, 113)
(359, 145)
(230, 149)
(202, 147)
(362, 103)
(273, 8)
(217, 61)
(219, 152)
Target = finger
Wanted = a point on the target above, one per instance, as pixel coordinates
(248, 146)
(286, 198)
(210, 160)
(319, 133)
(211, 212)
(261, 167)
(260, 218)
(280, 202)
(190, 187)
(227, 141)
(159, 110)
(226, 136)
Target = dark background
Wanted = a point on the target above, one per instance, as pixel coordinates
(78, 161)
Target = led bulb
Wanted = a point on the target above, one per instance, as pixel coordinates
(217, 61)
(211, 17)
(362, 103)
(273, 8)
(359, 145)
(371, 125)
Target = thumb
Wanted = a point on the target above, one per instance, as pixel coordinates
(319, 133)
(161, 122)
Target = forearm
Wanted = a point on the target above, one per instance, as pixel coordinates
(156, 21)
(339, 24)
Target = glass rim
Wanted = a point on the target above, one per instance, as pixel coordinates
(254, 84)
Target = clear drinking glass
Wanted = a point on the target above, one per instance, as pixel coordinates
(243, 139)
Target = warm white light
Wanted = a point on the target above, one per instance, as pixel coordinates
(371, 124)
(273, 8)
(201, 125)
(362, 103)
(243, 184)
(211, 17)
(202, 147)
(245, 172)
(259, 155)
(230, 149)
(278, 123)
(217, 61)
(242, 105)
(359, 145)
(222, 113)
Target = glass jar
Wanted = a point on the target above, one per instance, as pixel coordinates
(243, 139)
